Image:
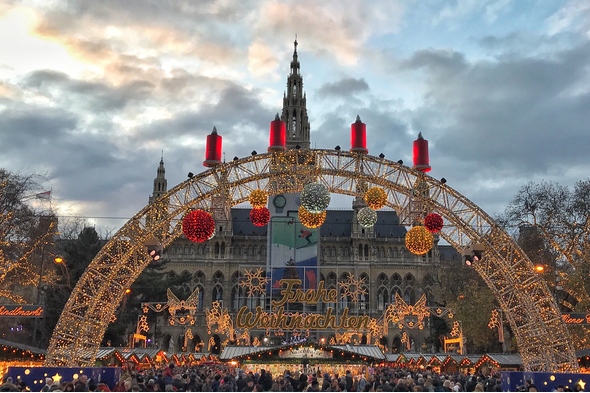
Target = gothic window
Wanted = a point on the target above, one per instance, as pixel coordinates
(428, 284)
(237, 297)
(366, 252)
(217, 249)
(410, 296)
(396, 280)
(217, 294)
(330, 304)
(382, 297)
(360, 251)
(200, 306)
(223, 250)
(334, 253)
(364, 299)
(331, 279)
(382, 280)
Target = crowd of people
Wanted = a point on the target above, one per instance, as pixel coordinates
(223, 378)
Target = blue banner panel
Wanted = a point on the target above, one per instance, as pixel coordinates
(515, 381)
(34, 377)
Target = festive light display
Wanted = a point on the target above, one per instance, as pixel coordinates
(198, 226)
(311, 220)
(419, 240)
(543, 340)
(375, 198)
(254, 282)
(258, 199)
(367, 217)
(433, 222)
(315, 197)
(260, 217)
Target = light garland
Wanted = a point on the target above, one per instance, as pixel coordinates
(258, 199)
(311, 220)
(375, 198)
(433, 222)
(198, 226)
(367, 217)
(315, 197)
(260, 217)
(419, 240)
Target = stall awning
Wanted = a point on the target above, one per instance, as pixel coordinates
(234, 351)
(362, 350)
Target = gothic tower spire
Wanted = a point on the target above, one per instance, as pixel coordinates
(160, 182)
(294, 107)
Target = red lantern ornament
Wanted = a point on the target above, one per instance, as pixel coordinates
(260, 217)
(198, 226)
(433, 222)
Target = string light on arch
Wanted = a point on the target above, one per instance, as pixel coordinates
(433, 222)
(375, 198)
(198, 226)
(419, 240)
(315, 197)
(311, 220)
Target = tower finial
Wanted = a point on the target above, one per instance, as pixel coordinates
(295, 43)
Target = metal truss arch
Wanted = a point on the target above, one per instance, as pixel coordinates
(542, 337)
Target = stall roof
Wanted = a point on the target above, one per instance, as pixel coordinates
(363, 350)
(234, 351)
(506, 359)
(23, 347)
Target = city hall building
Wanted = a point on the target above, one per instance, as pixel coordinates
(323, 259)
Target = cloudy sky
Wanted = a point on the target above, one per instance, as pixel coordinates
(91, 92)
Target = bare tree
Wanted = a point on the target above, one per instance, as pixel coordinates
(26, 238)
(557, 223)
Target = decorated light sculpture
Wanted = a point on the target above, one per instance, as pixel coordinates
(375, 198)
(278, 135)
(367, 217)
(433, 222)
(258, 199)
(315, 197)
(198, 226)
(309, 219)
(260, 217)
(358, 136)
(419, 240)
(213, 149)
(420, 154)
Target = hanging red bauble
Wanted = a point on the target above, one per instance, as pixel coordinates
(260, 217)
(198, 226)
(433, 222)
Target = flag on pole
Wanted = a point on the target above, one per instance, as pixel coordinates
(44, 195)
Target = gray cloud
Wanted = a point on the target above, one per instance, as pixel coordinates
(343, 87)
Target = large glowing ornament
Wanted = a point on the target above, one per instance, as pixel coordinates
(309, 219)
(375, 198)
(419, 240)
(433, 222)
(260, 217)
(367, 217)
(258, 199)
(315, 197)
(198, 226)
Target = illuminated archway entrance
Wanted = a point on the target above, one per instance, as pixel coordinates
(533, 315)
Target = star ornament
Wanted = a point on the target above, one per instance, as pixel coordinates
(582, 384)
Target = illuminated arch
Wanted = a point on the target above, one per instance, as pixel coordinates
(533, 315)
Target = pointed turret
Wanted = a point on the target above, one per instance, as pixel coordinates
(294, 107)
(160, 182)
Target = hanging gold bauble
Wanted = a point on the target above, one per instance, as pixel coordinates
(311, 220)
(258, 199)
(375, 198)
(419, 240)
